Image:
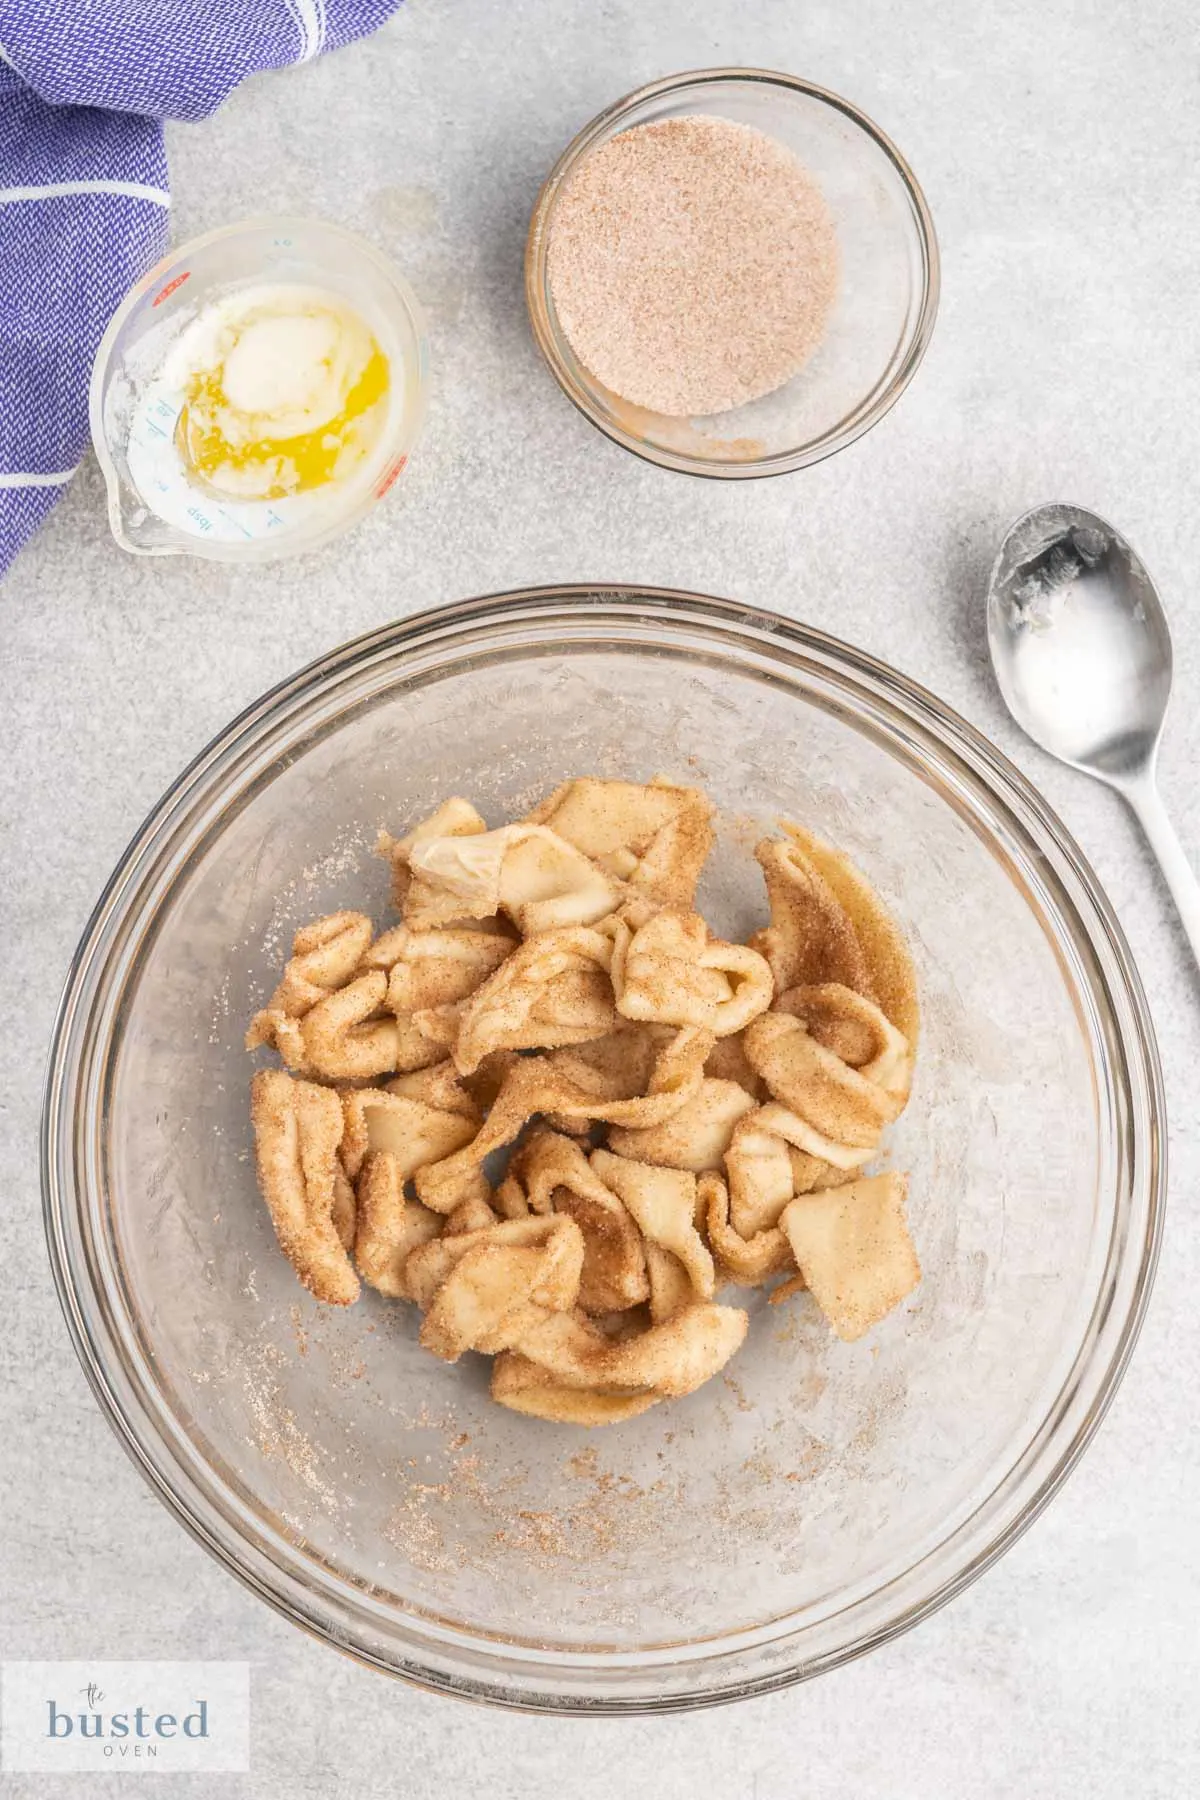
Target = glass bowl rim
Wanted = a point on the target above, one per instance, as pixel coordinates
(469, 1664)
(537, 287)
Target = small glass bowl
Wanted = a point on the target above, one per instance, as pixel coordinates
(154, 510)
(882, 319)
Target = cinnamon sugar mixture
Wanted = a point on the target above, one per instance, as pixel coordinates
(693, 264)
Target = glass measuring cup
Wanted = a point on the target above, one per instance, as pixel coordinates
(153, 507)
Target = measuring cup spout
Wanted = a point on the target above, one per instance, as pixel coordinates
(134, 526)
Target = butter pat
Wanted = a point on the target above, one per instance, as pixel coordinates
(284, 367)
(285, 391)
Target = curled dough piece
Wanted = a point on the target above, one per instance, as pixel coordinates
(747, 1261)
(852, 1246)
(438, 968)
(473, 1213)
(487, 1290)
(389, 1227)
(439, 1259)
(545, 1161)
(675, 1076)
(655, 836)
(526, 1387)
(697, 1136)
(345, 1207)
(551, 1172)
(484, 1085)
(345, 1039)
(324, 956)
(663, 1205)
(420, 970)
(555, 990)
(614, 1261)
(297, 1131)
(443, 1185)
(669, 971)
(619, 1064)
(829, 925)
(561, 1086)
(670, 1284)
(673, 1358)
(766, 1168)
(759, 1167)
(437, 1086)
(453, 818)
(729, 1062)
(434, 1027)
(810, 938)
(619, 1266)
(429, 974)
(411, 1132)
(816, 1161)
(839, 1102)
(526, 871)
(854, 1030)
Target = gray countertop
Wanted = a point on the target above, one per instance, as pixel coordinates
(1059, 147)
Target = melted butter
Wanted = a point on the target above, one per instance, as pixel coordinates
(285, 392)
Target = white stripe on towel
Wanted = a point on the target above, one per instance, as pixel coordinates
(130, 190)
(309, 18)
(25, 481)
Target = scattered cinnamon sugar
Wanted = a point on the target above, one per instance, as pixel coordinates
(693, 264)
(739, 1394)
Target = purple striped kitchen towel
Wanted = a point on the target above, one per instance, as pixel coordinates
(84, 88)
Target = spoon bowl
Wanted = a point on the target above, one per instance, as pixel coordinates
(1079, 641)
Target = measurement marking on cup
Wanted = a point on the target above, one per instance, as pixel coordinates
(165, 293)
(392, 475)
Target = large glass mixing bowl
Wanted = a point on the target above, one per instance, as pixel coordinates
(823, 1496)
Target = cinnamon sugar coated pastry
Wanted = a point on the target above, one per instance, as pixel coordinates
(674, 1113)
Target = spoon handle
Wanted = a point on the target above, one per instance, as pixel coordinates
(1146, 802)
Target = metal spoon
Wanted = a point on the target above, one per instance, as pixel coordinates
(1082, 653)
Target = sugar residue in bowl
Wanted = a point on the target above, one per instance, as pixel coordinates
(693, 264)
